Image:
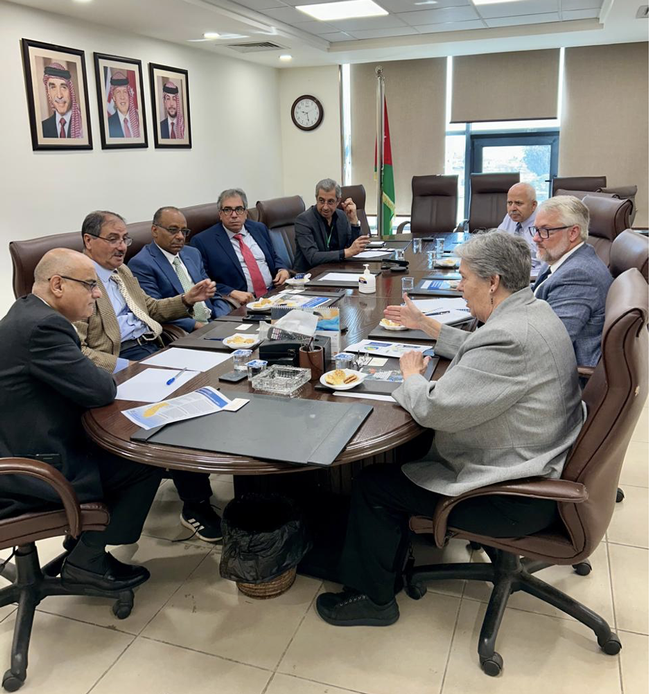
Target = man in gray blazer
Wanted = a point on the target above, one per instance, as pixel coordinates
(576, 281)
(325, 233)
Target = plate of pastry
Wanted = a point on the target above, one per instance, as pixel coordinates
(387, 324)
(342, 379)
(447, 262)
(240, 341)
(260, 305)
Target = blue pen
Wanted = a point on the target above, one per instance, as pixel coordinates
(173, 378)
(436, 313)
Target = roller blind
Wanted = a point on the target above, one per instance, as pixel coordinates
(415, 95)
(505, 86)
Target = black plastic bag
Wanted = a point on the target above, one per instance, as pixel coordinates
(263, 536)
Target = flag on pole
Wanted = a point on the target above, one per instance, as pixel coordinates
(387, 180)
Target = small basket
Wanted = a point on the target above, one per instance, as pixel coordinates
(269, 589)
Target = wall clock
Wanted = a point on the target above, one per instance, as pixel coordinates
(307, 112)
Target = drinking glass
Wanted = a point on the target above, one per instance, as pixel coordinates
(417, 245)
(407, 284)
(240, 358)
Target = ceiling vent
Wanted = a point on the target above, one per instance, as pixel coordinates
(255, 47)
(642, 12)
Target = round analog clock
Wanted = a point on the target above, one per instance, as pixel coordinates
(307, 112)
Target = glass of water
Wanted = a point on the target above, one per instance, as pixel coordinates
(417, 245)
(439, 247)
(240, 358)
(407, 285)
(399, 254)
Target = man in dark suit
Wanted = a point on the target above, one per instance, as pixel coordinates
(167, 267)
(325, 233)
(65, 120)
(47, 385)
(238, 254)
(576, 281)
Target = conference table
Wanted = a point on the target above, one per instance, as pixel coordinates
(387, 427)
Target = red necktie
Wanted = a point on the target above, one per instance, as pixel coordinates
(259, 286)
(62, 124)
(173, 136)
(127, 130)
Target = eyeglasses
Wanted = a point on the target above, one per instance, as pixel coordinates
(90, 285)
(329, 203)
(236, 210)
(544, 232)
(175, 230)
(114, 240)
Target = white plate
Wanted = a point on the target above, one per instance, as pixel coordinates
(346, 386)
(394, 328)
(228, 341)
(293, 282)
(447, 262)
(252, 306)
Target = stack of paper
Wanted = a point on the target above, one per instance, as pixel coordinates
(446, 311)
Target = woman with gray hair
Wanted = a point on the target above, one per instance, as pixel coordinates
(508, 407)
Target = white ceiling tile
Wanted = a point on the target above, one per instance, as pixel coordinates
(451, 26)
(337, 36)
(580, 14)
(288, 15)
(261, 4)
(390, 21)
(581, 4)
(411, 6)
(447, 14)
(526, 19)
(316, 27)
(293, 3)
(512, 9)
(381, 33)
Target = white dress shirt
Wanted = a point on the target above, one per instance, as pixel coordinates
(509, 225)
(258, 254)
(66, 118)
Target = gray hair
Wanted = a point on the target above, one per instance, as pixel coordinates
(94, 222)
(328, 184)
(495, 252)
(232, 193)
(161, 211)
(571, 211)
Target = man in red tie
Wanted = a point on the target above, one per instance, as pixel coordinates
(238, 253)
(65, 121)
(172, 126)
(125, 122)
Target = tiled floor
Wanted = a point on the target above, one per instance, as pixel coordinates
(192, 632)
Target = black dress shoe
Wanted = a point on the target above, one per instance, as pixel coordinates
(116, 577)
(353, 609)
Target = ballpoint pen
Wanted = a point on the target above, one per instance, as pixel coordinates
(436, 313)
(173, 378)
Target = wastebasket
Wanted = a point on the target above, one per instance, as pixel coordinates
(264, 539)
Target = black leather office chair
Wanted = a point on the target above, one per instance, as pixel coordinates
(434, 205)
(488, 197)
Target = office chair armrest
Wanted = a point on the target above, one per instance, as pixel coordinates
(563, 491)
(402, 226)
(172, 332)
(586, 371)
(51, 476)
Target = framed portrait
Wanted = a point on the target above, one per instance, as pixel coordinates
(57, 96)
(170, 100)
(120, 95)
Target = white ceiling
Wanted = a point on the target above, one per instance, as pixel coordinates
(412, 29)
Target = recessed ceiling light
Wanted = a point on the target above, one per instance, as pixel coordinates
(210, 35)
(349, 9)
(427, 2)
(492, 2)
(286, 58)
(83, 1)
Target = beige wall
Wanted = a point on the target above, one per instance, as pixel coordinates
(605, 117)
(415, 96)
(311, 156)
(236, 137)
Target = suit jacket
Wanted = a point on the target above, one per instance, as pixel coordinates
(47, 383)
(51, 127)
(164, 129)
(115, 125)
(159, 280)
(311, 239)
(100, 334)
(577, 292)
(220, 259)
(507, 407)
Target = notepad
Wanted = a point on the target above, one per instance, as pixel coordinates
(196, 359)
(150, 385)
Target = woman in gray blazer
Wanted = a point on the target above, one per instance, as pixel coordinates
(508, 407)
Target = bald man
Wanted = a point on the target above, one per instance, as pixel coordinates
(522, 207)
(47, 384)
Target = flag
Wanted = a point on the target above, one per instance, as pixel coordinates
(387, 180)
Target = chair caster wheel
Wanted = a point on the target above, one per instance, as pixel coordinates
(473, 545)
(122, 608)
(620, 495)
(492, 666)
(11, 683)
(415, 591)
(612, 646)
(583, 568)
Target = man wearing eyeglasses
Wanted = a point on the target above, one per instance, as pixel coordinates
(238, 253)
(47, 384)
(326, 234)
(575, 280)
(166, 267)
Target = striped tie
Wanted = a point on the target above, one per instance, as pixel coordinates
(153, 325)
(201, 312)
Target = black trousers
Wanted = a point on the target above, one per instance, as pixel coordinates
(192, 487)
(129, 489)
(383, 498)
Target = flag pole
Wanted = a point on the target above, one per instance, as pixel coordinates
(380, 147)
